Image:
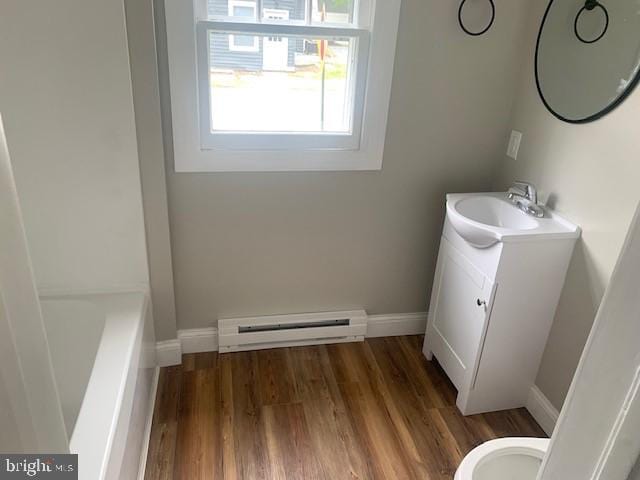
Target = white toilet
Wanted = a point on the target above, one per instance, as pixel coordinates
(512, 458)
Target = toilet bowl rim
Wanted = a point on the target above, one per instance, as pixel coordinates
(535, 447)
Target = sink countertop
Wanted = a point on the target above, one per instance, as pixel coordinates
(551, 226)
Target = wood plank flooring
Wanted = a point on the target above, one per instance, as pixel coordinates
(372, 410)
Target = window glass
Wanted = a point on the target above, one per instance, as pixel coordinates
(322, 11)
(284, 10)
(243, 42)
(290, 84)
(243, 11)
(333, 11)
(295, 10)
(217, 8)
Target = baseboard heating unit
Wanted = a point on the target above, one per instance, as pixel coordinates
(256, 333)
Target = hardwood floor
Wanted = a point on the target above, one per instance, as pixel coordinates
(372, 410)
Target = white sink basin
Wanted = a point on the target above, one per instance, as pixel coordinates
(484, 219)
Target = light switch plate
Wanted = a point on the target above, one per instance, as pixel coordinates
(514, 144)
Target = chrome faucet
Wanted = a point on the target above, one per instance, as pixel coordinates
(525, 196)
(523, 189)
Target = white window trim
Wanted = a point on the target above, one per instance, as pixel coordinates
(189, 156)
(232, 45)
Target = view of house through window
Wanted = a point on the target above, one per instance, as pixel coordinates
(281, 83)
(244, 9)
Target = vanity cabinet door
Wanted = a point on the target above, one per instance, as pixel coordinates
(458, 315)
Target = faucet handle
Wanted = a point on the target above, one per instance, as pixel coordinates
(529, 189)
(516, 191)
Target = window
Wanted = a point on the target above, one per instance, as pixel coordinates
(281, 95)
(280, 84)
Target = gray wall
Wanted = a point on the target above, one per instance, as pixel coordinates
(635, 474)
(65, 96)
(10, 440)
(590, 173)
(265, 243)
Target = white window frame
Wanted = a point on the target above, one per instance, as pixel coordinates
(361, 149)
(232, 38)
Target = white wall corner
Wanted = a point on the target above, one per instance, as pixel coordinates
(397, 324)
(542, 410)
(169, 353)
(198, 340)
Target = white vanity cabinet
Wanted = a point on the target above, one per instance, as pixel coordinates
(490, 314)
(460, 307)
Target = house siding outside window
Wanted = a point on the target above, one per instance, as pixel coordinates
(222, 55)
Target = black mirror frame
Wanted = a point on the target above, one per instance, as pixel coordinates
(596, 116)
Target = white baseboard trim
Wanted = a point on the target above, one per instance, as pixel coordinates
(147, 427)
(168, 353)
(199, 340)
(397, 324)
(542, 410)
(196, 340)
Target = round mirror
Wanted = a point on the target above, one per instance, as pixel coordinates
(587, 56)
